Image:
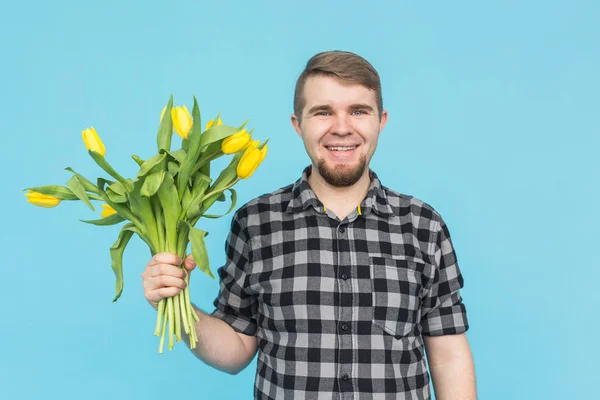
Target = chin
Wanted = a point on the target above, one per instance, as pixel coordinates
(343, 175)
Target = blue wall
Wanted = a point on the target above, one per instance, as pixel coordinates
(493, 121)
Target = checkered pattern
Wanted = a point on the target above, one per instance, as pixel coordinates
(339, 307)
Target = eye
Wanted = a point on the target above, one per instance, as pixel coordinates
(358, 112)
(322, 113)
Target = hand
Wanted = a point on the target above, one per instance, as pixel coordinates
(164, 278)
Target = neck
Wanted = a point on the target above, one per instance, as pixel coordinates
(341, 200)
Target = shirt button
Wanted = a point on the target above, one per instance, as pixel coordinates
(341, 229)
(344, 327)
(344, 276)
(345, 377)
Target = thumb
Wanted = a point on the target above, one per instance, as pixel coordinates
(189, 263)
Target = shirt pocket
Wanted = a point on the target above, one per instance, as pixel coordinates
(395, 289)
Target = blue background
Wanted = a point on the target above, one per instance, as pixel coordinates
(493, 121)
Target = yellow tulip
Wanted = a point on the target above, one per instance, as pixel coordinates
(236, 142)
(42, 200)
(212, 122)
(92, 141)
(250, 160)
(107, 210)
(182, 121)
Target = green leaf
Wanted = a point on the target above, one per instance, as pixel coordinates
(194, 140)
(183, 230)
(77, 188)
(142, 208)
(122, 209)
(242, 126)
(99, 158)
(88, 185)
(117, 192)
(151, 183)
(112, 219)
(178, 155)
(199, 251)
(173, 168)
(138, 160)
(201, 182)
(233, 201)
(151, 163)
(216, 133)
(186, 200)
(60, 192)
(199, 187)
(165, 131)
(116, 256)
(167, 194)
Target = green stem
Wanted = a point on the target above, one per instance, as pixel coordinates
(177, 309)
(236, 180)
(159, 316)
(171, 322)
(207, 159)
(183, 305)
(159, 216)
(161, 345)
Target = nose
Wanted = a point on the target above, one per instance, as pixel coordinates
(341, 125)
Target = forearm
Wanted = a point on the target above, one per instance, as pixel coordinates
(454, 380)
(219, 344)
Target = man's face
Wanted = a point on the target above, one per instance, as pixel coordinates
(340, 126)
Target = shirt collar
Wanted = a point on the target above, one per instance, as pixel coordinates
(303, 196)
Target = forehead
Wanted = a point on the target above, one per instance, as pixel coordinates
(320, 90)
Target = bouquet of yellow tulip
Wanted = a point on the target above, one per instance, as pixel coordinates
(172, 191)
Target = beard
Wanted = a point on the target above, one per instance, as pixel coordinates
(342, 175)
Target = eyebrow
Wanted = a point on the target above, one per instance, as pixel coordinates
(320, 107)
(326, 107)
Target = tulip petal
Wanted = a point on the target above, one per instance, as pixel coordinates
(215, 134)
(60, 192)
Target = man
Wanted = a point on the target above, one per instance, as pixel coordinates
(339, 282)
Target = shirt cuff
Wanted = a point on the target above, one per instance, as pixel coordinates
(239, 324)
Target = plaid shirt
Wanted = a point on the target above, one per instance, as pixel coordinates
(339, 307)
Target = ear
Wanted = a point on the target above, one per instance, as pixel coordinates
(296, 124)
(383, 120)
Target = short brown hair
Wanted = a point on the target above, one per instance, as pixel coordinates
(344, 66)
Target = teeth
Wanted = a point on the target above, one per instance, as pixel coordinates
(341, 148)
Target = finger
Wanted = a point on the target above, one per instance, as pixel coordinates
(189, 264)
(155, 296)
(165, 258)
(157, 282)
(164, 269)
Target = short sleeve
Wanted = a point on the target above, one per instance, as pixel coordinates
(233, 304)
(443, 312)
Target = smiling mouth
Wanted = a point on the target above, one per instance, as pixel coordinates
(341, 148)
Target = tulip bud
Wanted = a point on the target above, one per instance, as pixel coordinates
(210, 123)
(236, 142)
(107, 210)
(92, 141)
(182, 121)
(250, 160)
(42, 200)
